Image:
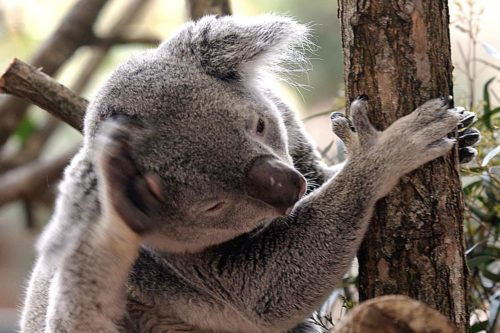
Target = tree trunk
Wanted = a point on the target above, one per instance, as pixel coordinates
(398, 53)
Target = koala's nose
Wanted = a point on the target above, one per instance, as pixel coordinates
(275, 183)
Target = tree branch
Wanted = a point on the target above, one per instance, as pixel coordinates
(29, 83)
(32, 178)
(32, 147)
(120, 40)
(75, 30)
(102, 45)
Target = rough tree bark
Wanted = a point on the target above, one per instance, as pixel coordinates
(398, 53)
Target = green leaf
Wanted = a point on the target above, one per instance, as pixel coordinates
(490, 155)
(487, 112)
(471, 187)
(491, 250)
(25, 129)
(476, 211)
(479, 249)
(480, 260)
(495, 277)
(479, 327)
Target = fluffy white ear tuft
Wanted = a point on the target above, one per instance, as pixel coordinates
(231, 47)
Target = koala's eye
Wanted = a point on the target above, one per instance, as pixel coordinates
(214, 208)
(261, 126)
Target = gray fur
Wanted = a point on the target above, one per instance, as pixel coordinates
(131, 245)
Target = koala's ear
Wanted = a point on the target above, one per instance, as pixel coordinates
(231, 47)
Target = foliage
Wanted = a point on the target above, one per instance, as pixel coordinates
(482, 221)
(481, 179)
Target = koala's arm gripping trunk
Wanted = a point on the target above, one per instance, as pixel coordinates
(280, 275)
(291, 266)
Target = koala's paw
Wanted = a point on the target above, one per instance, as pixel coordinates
(356, 133)
(135, 197)
(421, 136)
(467, 136)
(343, 128)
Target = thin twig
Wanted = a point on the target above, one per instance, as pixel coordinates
(487, 63)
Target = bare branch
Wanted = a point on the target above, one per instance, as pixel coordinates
(75, 30)
(120, 40)
(29, 83)
(31, 179)
(26, 82)
(487, 63)
(32, 147)
(114, 37)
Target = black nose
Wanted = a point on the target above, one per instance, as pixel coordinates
(275, 183)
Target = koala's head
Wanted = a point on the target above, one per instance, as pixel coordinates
(217, 143)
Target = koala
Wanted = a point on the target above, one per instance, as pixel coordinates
(197, 203)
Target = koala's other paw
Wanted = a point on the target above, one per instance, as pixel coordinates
(343, 128)
(358, 132)
(135, 197)
(467, 136)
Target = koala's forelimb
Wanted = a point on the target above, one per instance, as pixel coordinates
(35, 309)
(90, 297)
(290, 277)
(87, 291)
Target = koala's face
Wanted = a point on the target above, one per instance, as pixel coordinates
(216, 142)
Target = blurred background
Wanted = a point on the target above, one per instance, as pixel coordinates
(36, 148)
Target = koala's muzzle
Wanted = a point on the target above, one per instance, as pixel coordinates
(275, 183)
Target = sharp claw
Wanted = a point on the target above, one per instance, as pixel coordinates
(336, 115)
(362, 97)
(351, 126)
(458, 109)
(468, 119)
(466, 154)
(468, 137)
